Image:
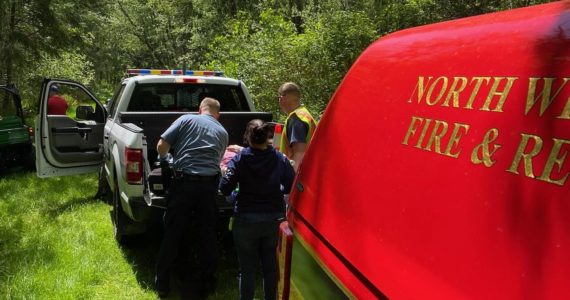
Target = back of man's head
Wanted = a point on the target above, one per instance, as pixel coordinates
(290, 88)
(54, 89)
(210, 105)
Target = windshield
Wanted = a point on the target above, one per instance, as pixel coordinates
(185, 97)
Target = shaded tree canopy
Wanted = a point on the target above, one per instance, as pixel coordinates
(263, 42)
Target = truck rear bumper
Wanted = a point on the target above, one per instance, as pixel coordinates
(142, 212)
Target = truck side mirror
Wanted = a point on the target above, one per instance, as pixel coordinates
(84, 112)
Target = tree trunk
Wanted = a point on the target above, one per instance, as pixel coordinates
(4, 18)
(11, 31)
(298, 19)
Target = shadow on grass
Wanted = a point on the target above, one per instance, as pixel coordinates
(13, 171)
(141, 253)
(69, 205)
(4, 171)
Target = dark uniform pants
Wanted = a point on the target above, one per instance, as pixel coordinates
(255, 242)
(190, 197)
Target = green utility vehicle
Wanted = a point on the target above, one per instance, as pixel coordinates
(16, 147)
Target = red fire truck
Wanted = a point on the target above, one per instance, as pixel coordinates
(440, 168)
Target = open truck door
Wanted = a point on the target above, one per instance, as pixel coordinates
(69, 135)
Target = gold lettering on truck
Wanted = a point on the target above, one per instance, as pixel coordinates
(545, 94)
(455, 90)
(478, 83)
(482, 153)
(412, 128)
(436, 134)
(526, 157)
(501, 94)
(555, 159)
(454, 140)
(442, 90)
(433, 91)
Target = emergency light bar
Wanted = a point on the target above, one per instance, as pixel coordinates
(173, 72)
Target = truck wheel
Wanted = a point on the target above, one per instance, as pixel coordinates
(120, 219)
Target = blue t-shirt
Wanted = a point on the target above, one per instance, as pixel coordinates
(198, 143)
(297, 130)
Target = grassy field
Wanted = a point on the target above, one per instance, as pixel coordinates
(56, 242)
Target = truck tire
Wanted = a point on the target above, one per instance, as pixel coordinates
(118, 216)
(124, 228)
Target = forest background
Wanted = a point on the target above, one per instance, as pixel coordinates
(262, 42)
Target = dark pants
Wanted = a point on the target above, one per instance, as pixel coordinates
(257, 241)
(190, 198)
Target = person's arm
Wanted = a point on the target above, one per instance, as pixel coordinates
(298, 154)
(287, 176)
(162, 147)
(168, 138)
(297, 132)
(234, 148)
(229, 181)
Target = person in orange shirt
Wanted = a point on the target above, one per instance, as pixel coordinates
(56, 104)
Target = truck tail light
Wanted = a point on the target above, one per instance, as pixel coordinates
(31, 131)
(133, 165)
(277, 131)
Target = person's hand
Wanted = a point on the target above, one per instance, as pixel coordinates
(234, 148)
(232, 197)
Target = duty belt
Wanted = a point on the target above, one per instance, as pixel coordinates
(195, 177)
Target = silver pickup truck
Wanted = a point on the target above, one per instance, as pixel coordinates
(118, 139)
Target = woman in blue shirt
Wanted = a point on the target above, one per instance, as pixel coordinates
(264, 175)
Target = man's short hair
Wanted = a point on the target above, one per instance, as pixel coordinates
(54, 88)
(210, 104)
(289, 88)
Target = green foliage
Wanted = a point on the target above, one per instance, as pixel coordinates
(263, 42)
(268, 52)
(325, 52)
(256, 52)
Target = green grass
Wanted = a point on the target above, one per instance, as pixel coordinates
(56, 242)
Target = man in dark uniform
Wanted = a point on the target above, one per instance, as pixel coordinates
(199, 142)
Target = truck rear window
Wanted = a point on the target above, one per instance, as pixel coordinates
(185, 97)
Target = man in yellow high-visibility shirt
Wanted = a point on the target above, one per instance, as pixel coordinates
(299, 126)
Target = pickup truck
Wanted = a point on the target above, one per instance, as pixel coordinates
(119, 139)
(15, 136)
